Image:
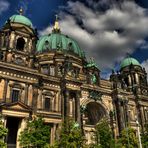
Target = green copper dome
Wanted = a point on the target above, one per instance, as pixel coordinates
(58, 42)
(129, 61)
(21, 19)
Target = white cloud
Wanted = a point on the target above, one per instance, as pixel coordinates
(4, 5)
(107, 36)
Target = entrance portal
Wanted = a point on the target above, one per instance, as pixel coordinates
(94, 113)
(12, 126)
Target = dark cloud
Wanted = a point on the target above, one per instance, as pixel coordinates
(107, 36)
(4, 5)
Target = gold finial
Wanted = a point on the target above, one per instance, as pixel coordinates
(21, 11)
(56, 27)
(56, 16)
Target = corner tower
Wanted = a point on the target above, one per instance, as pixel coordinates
(17, 40)
(130, 93)
(132, 74)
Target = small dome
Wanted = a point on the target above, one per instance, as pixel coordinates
(128, 61)
(21, 19)
(57, 41)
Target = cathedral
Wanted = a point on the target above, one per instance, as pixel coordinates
(49, 76)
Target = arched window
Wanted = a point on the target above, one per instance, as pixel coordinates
(126, 81)
(1, 55)
(45, 69)
(46, 45)
(20, 44)
(70, 46)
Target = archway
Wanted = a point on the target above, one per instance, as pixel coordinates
(94, 112)
(20, 44)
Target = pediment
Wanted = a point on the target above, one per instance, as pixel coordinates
(23, 28)
(17, 106)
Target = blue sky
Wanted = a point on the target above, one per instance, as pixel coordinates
(107, 30)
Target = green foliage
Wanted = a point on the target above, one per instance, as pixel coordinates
(35, 135)
(70, 136)
(128, 139)
(3, 133)
(145, 137)
(103, 135)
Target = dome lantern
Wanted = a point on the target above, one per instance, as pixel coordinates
(21, 11)
(56, 27)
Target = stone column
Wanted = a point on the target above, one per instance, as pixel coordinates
(43, 102)
(30, 95)
(145, 114)
(12, 37)
(26, 94)
(21, 95)
(66, 103)
(2, 40)
(119, 115)
(53, 134)
(60, 102)
(39, 102)
(27, 45)
(52, 100)
(57, 102)
(1, 89)
(139, 114)
(129, 80)
(7, 38)
(126, 110)
(142, 117)
(71, 107)
(35, 97)
(4, 120)
(123, 114)
(77, 107)
(21, 127)
(136, 78)
(5, 89)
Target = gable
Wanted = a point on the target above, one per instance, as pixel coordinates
(17, 106)
(24, 29)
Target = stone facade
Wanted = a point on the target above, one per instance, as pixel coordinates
(56, 84)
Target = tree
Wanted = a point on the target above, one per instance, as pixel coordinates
(128, 138)
(35, 135)
(70, 135)
(145, 137)
(103, 135)
(3, 133)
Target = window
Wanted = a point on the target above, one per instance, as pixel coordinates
(46, 45)
(20, 44)
(19, 61)
(70, 46)
(1, 55)
(45, 69)
(47, 104)
(15, 95)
